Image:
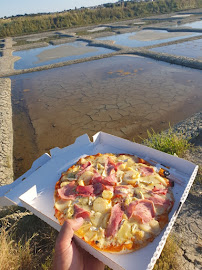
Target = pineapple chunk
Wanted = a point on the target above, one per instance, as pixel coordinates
(62, 205)
(145, 227)
(105, 220)
(96, 219)
(107, 194)
(75, 168)
(64, 184)
(131, 176)
(100, 166)
(134, 228)
(81, 183)
(70, 212)
(130, 162)
(124, 233)
(101, 205)
(122, 167)
(84, 228)
(139, 235)
(90, 235)
(155, 226)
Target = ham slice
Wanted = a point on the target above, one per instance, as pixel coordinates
(160, 201)
(110, 180)
(114, 221)
(98, 188)
(85, 191)
(110, 165)
(141, 210)
(97, 178)
(121, 191)
(84, 167)
(161, 191)
(80, 212)
(145, 171)
(68, 192)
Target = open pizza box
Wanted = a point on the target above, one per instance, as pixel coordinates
(34, 190)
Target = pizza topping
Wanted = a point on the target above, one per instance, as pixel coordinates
(121, 191)
(68, 192)
(85, 191)
(114, 221)
(159, 191)
(84, 167)
(96, 218)
(160, 201)
(145, 171)
(101, 205)
(80, 212)
(98, 188)
(110, 165)
(107, 194)
(110, 180)
(141, 210)
(125, 203)
(97, 178)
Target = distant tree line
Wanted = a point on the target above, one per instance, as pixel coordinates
(21, 25)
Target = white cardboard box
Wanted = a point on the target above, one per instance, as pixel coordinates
(34, 190)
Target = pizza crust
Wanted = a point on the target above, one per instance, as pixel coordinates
(124, 202)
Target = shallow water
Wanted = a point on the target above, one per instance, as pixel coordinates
(191, 49)
(129, 39)
(121, 95)
(56, 53)
(197, 24)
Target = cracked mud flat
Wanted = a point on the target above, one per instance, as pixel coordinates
(122, 95)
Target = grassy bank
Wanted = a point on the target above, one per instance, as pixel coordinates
(36, 23)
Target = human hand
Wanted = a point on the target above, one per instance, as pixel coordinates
(69, 256)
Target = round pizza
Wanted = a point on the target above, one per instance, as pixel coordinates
(123, 200)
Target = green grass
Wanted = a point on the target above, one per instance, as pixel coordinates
(168, 142)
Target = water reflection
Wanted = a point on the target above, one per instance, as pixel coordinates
(55, 54)
(121, 95)
(147, 37)
(197, 24)
(189, 49)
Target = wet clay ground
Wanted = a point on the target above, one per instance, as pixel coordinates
(122, 95)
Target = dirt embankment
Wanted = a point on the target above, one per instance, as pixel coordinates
(6, 133)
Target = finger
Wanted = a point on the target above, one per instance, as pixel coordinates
(64, 238)
(90, 262)
(76, 223)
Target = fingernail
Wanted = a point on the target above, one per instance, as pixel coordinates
(79, 219)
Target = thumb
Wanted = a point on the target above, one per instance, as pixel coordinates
(64, 238)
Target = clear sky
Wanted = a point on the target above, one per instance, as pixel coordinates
(20, 7)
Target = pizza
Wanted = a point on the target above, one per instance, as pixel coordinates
(123, 200)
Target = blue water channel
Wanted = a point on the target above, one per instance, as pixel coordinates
(128, 39)
(30, 58)
(191, 49)
(197, 24)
